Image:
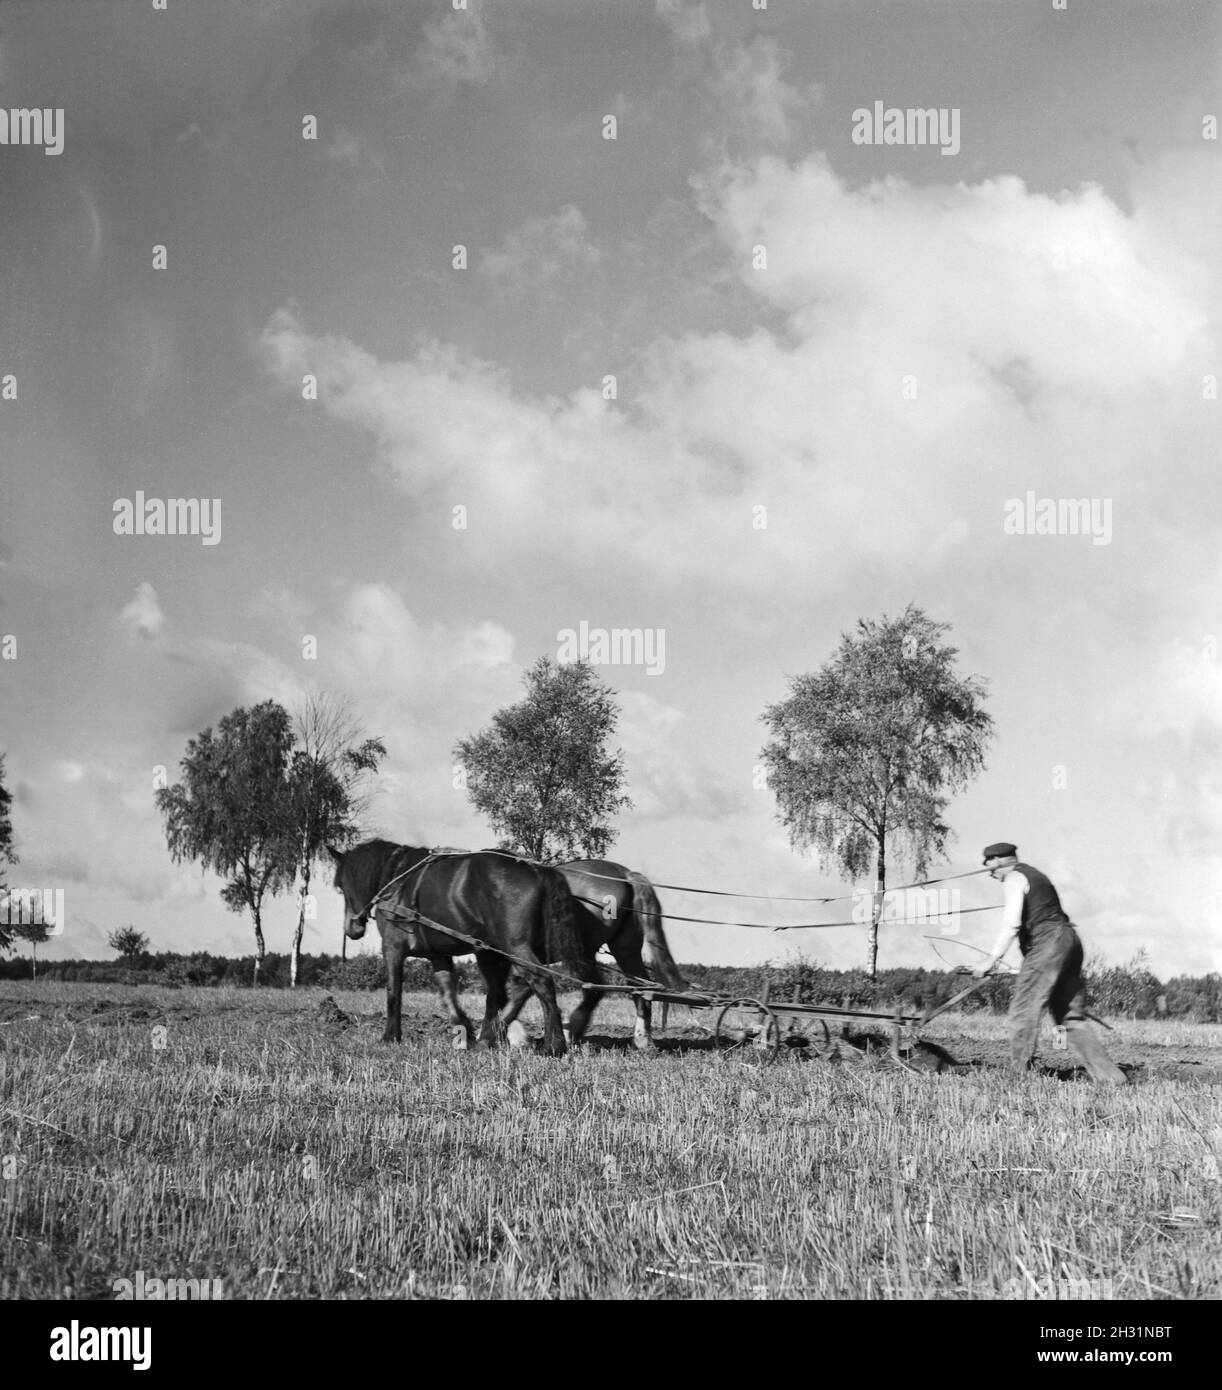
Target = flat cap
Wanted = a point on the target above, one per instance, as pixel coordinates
(1001, 850)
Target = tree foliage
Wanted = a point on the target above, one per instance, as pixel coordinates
(865, 752)
(542, 774)
(262, 796)
(233, 810)
(128, 943)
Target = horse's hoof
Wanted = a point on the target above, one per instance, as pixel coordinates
(459, 1039)
(516, 1035)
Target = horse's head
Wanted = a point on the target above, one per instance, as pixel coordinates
(350, 882)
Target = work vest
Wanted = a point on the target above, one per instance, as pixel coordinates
(1041, 906)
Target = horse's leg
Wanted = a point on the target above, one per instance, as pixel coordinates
(444, 975)
(544, 989)
(579, 1019)
(393, 953)
(520, 990)
(628, 957)
(522, 985)
(495, 970)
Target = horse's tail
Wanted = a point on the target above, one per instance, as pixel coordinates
(649, 914)
(561, 936)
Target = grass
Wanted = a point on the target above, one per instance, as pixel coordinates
(251, 1144)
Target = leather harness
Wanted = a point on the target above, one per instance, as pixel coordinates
(409, 919)
(414, 918)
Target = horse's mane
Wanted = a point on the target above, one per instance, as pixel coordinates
(368, 866)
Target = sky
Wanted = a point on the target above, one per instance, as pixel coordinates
(705, 367)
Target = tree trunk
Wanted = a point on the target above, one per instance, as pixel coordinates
(260, 949)
(33, 960)
(880, 890)
(295, 954)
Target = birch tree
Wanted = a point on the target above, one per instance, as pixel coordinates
(232, 811)
(327, 790)
(543, 773)
(865, 752)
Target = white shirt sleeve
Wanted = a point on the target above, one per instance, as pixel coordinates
(1015, 888)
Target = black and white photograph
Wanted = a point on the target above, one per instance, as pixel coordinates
(611, 664)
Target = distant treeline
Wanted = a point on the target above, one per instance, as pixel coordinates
(174, 969)
(1119, 991)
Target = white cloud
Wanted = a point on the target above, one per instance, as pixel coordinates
(348, 148)
(989, 269)
(669, 777)
(754, 96)
(539, 251)
(689, 22)
(746, 92)
(458, 48)
(1040, 334)
(143, 614)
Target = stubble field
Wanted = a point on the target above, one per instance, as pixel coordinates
(254, 1138)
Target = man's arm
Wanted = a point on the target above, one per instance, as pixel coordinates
(1015, 888)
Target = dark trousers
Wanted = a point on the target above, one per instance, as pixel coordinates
(1051, 978)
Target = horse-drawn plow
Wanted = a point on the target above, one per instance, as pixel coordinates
(394, 878)
(768, 1027)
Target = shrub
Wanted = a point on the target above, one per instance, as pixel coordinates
(360, 972)
(369, 972)
(1196, 999)
(1131, 991)
(799, 980)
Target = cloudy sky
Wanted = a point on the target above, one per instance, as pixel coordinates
(925, 336)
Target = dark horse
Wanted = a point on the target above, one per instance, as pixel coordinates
(513, 906)
(617, 907)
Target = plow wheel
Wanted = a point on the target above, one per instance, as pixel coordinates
(744, 1023)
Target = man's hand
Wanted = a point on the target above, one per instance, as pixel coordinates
(984, 968)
